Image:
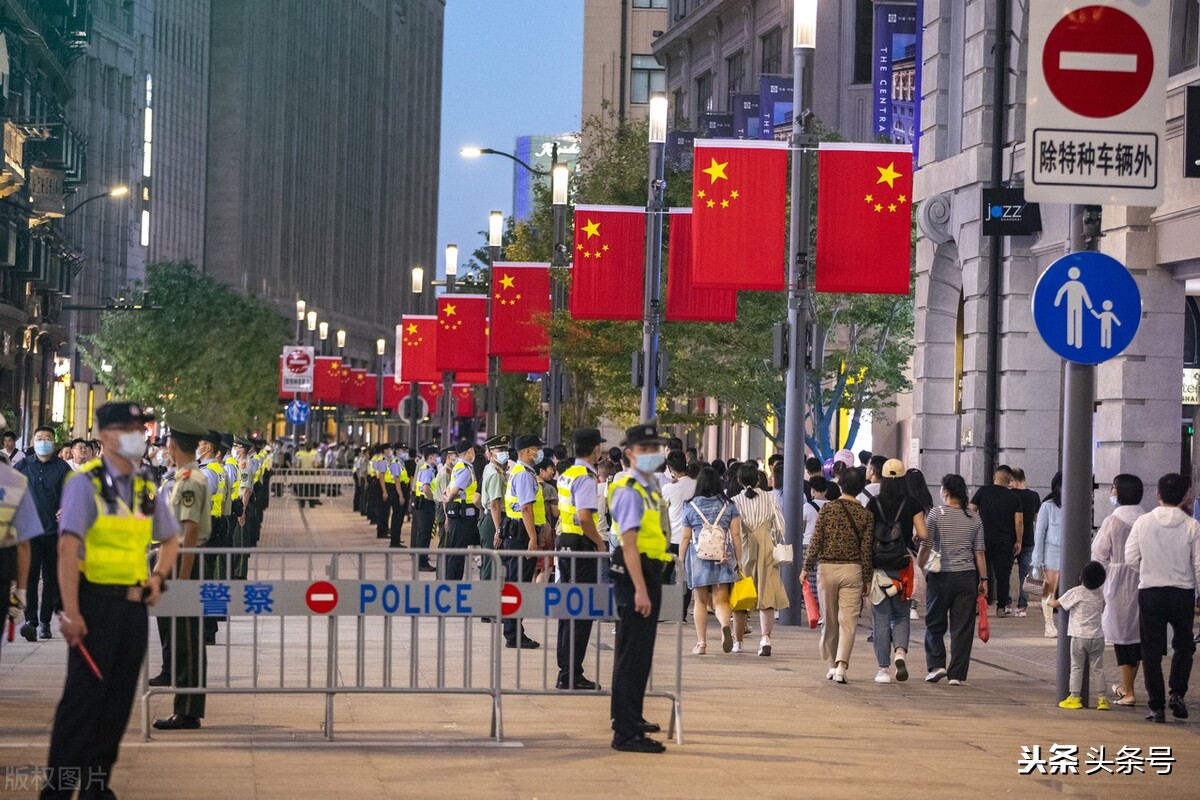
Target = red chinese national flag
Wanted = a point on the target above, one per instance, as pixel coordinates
(525, 364)
(392, 392)
(462, 333)
(327, 380)
(416, 349)
(520, 309)
(361, 393)
(739, 220)
(431, 392)
(465, 400)
(864, 218)
(686, 303)
(607, 276)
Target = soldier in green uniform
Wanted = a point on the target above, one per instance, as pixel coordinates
(192, 507)
(491, 494)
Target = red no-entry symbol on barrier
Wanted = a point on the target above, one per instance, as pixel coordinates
(510, 600)
(322, 597)
(298, 362)
(1098, 61)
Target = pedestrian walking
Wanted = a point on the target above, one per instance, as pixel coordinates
(110, 515)
(761, 526)
(1003, 531)
(1120, 620)
(841, 554)
(1030, 503)
(46, 473)
(637, 567)
(898, 522)
(678, 489)
(1047, 550)
(712, 548)
(1164, 546)
(578, 502)
(1086, 606)
(956, 573)
(918, 491)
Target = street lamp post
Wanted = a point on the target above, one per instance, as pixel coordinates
(300, 314)
(311, 324)
(414, 391)
(380, 349)
(495, 248)
(804, 24)
(655, 185)
(323, 335)
(448, 377)
(116, 191)
(559, 185)
(341, 351)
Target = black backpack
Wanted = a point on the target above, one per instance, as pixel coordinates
(890, 550)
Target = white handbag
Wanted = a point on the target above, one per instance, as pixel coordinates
(782, 552)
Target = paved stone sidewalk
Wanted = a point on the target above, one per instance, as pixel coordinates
(753, 727)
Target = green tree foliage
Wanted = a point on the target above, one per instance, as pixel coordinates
(210, 353)
(864, 341)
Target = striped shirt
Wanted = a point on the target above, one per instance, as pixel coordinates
(957, 536)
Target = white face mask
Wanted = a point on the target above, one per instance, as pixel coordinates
(502, 458)
(1112, 499)
(131, 445)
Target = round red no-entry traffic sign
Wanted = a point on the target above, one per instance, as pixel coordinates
(510, 600)
(297, 362)
(1098, 62)
(322, 597)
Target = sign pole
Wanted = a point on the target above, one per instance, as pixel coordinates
(1078, 406)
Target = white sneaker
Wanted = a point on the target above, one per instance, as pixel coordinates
(829, 675)
(956, 682)
(839, 675)
(764, 646)
(882, 676)
(935, 676)
(912, 613)
(737, 647)
(700, 649)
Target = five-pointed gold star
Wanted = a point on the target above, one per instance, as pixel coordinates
(891, 207)
(879, 207)
(579, 247)
(869, 198)
(451, 310)
(716, 171)
(701, 193)
(604, 248)
(506, 282)
(597, 254)
(591, 229)
(587, 254)
(888, 175)
(902, 199)
(711, 204)
(412, 327)
(734, 194)
(724, 204)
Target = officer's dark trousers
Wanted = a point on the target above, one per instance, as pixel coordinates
(1161, 606)
(358, 494)
(187, 645)
(516, 570)
(371, 497)
(463, 532)
(570, 570)
(396, 509)
(92, 714)
(423, 528)
(385, 509)
(487, 540)
(634, 651)
(239, 538)
(43, 567)
(215, 566)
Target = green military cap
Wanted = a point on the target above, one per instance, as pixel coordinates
(241, 441)
(178, 423)
(451, 449)
(498, 442)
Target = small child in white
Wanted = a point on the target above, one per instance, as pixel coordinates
(1086, 604)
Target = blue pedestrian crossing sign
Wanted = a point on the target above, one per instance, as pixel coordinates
(296, 412)
(1087, 307)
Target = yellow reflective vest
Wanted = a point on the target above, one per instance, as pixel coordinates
(568, 514)
(218, 497)
(651, 540)
(115, 546)
(512, 508)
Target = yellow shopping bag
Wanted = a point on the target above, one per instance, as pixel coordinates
(743, 596)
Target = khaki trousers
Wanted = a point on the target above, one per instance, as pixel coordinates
(840, 587)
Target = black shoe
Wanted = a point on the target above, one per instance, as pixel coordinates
(177, 722)
(161, 679)
(29, 631)
(44, 631)
(639, 744)
(1157, 716)
(1178, 709)
(486, 619)
(427, 568)
(582, 684)
(526, 644)
(648, 727)
(210, 638)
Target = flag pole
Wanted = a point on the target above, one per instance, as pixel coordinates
(655, 185)
(795, 400)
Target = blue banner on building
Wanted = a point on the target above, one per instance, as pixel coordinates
(715, 125)
(679, 149)
(745, 115)
(896, 82)
(775, 100)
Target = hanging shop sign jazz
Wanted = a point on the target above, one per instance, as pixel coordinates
(1096, 102)
(1005, 213)
(297, 369)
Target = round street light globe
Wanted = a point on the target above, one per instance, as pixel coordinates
(470, 152)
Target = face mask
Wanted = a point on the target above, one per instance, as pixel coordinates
(131, 445)
(43, 447)
(1112, 499)
(501, 458)
(649, 462)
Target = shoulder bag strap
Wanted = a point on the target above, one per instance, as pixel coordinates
(850, 519)
(696, 508)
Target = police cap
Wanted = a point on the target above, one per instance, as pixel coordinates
(529, 440)
(226, 441)
(645, 433)
(463, 447)
(121, 413)
(178, 423)
(586, 440)
(447, 450)
(500, 442)
(213, 438)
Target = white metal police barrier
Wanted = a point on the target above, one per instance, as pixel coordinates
(300, 586)
(309, 484)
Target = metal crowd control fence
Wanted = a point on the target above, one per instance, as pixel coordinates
(393, 617)
(310, 484)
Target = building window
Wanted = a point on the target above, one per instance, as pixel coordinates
(864, 28)
(649, 3)
(704, 93)
(735, 72)
(647, 77)
(772, 52)
(677, 109)
(1185, 28)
